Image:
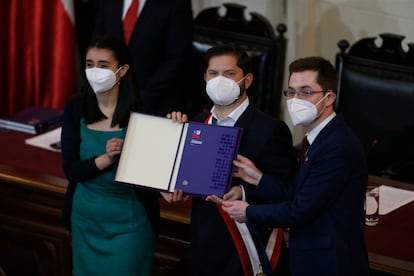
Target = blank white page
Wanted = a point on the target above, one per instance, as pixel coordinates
(149, 151)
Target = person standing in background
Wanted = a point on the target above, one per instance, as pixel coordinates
(159, 35)
(112, 228)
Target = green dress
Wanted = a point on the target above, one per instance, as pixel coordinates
(111, 233)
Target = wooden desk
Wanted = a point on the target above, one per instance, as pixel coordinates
(33, 240)
(391, 242)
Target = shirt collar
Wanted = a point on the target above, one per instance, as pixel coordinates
(126, 5)
(231, 119)
(315, 131)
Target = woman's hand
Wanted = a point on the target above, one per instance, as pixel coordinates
(113, 149)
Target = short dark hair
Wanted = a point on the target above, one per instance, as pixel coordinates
(243, 59)
(327, 74)
(128, 92)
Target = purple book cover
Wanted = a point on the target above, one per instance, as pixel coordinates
(206, 166)
(35, 120)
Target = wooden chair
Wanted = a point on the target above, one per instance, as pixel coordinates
(376, 96)
(257, 37)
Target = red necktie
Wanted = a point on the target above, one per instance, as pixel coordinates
(303, 150)
(129, 20)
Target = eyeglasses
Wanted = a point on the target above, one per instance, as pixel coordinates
(301, 93)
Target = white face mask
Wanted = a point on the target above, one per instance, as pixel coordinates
(222, 90)
(100, 79)
(303, 112)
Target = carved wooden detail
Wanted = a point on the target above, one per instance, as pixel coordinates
(376, 97)
(257, 37)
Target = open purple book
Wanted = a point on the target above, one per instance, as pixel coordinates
(164, 155)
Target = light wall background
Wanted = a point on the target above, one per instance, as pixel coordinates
(314, 27)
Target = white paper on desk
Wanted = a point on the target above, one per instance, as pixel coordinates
(44, 140)
(392, 198)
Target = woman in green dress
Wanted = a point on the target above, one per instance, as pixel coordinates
(111, 225)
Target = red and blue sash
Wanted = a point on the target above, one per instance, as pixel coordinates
(268, 255)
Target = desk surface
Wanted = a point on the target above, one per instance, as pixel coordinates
(14, 152)
(390, 243)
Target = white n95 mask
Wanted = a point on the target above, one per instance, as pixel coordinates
(303, 112)
(100, 79)
(222, 90)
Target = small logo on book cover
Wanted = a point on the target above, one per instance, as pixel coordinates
(196, 134)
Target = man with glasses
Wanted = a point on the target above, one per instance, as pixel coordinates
(325, 209)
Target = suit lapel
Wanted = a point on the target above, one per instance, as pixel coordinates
(245, 118)
(323, 135)
(148, 13)
(336, 122)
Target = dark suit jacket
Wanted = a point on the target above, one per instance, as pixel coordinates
(268, 143)
(326, 212)
(160, 47)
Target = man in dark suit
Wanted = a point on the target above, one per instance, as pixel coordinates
(268, 141)
(325, 209)
(160, 46)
